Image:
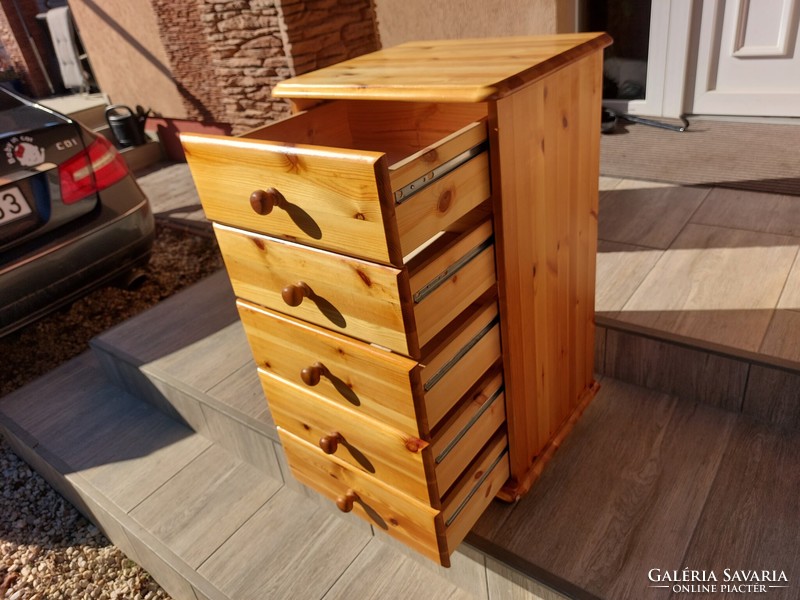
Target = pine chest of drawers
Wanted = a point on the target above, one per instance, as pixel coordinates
(413, 254)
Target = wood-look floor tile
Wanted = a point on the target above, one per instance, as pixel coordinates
(754, 211)
(467, 568)
(712, 285)
(647, 214)
(204, 504)
(178, 321)
(380, 572)
(242, 391)
(205, 362)
(790, 298)
(288, 549)
(608, 183)
(121, 445)
(783, 336)
(132, 457)
(691, 374)
(254, 446)
(620, 270)
(622, 494)
(507, 584)
(752, 517)
(772, 396)
(600, 350)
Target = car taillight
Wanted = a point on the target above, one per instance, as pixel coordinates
(91, 170)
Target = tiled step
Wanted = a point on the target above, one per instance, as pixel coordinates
(189, 357)
(206, 524)
(756, 385)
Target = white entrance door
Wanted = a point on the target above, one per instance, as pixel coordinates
(748, 59)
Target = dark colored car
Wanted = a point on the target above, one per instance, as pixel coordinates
(72, 216)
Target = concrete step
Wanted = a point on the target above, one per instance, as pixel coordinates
(203, 522)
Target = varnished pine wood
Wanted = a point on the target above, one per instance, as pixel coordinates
(334, 194)
(386, 508)
(545, 175)
(385, 453)
(374, 382)
(459, 379)
(458, 291)
(481, 496)
(463, 438)
(350, 296)
(466, 70)
(443, 202)
(441, 149)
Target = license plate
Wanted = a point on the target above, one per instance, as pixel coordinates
(13, 205)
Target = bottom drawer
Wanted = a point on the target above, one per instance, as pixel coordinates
(427, 530)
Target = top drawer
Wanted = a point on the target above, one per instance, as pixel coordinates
(370, 179)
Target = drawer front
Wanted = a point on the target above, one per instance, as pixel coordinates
(414, 523)
(370, 381)
(394, 457)
(328, 198)
(353, 297)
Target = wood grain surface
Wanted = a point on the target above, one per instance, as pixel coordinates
(387, 454)
(372, 381)
(546, 228)
(335, 197)
(625, 492)
(353, 297)
(397, 514)
(750, 519)
(467, 70)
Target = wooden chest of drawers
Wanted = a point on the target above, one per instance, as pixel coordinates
(414, 263)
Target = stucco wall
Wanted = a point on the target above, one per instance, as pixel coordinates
(123, 42)
(406, 20)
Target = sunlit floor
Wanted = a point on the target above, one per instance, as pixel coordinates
(714, 267)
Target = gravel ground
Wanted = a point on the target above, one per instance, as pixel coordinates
(48, 551)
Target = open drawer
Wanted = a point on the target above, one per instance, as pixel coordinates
(373, 180)
(432, 532)
(372, 382)
(399, 309)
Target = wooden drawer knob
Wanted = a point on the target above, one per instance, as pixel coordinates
(330, 443)
(311, 375)
(294, 293)
(263, 201)
(345, 503)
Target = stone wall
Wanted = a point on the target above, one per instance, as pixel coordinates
(325, 32)
(231, 53)
(189, 51)
(247, 52)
